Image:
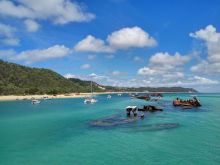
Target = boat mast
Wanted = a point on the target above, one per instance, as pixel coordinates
(91, 87)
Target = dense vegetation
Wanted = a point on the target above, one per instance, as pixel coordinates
(21, 80)
(17, 79)
(151, 89)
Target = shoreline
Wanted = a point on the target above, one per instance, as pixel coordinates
(30, 97)
(58, 96)
(61, 96)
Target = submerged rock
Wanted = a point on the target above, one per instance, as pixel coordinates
(112, 121)
(150, 108)
(154, 127)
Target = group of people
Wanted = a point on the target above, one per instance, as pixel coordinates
(189, 102)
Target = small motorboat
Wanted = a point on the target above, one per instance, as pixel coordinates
(132, 96)
(144, 97)
(119, 94)
(187, 103)
(156, 95)
(109, 97)
(35, 101)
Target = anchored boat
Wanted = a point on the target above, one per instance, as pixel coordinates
(90, 100)
(187, 103)
(35, 101)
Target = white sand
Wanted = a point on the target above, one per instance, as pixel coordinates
(29, 97)
(70, 95)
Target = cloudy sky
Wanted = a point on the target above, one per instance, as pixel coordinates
(117, 42)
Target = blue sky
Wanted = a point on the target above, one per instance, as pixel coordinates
(117, 42)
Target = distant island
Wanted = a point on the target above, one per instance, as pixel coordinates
(21, 80)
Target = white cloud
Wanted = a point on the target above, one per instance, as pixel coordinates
(30, 56)
(208, 34)
(189, 81)
(85, 66)
(206, 67)
(167, 59)
(7, 35)
(11, 41)
(92, 44)
(174, 75)
(118, 73)
(147, 71)
(31, 25)
(110, 56)
(96, 77)
(91, 57)
(211, 38)
(69, 75)
(7, 30)
(130, 38)
(164, 65)
(125, 38)
(203, 80)
(164, 68)
(137, 59)
(57, 11)
(6, 54)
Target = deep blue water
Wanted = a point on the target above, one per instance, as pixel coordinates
(59, 132)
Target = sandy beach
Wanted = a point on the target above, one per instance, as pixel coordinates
(70, 95)
(29, 97)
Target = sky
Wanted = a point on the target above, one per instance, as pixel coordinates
(117, 42)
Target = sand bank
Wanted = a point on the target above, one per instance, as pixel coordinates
(29, 97)
(70, 95)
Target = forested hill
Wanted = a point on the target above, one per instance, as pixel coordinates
(21, 80)
(17, 79)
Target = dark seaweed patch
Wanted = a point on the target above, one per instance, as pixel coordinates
(112, 121)
(154, 127)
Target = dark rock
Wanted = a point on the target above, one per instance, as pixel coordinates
(155, 127)
(150, 108)
(112, 121)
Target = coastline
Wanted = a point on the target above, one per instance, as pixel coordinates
(58, 96)
(29, 97)
(61, 96)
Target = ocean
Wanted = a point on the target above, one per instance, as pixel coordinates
(64, 132)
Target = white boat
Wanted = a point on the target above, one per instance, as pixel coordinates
(119, 94)
(109, 97)
(90, 100)
(35, 101)
(132, 96)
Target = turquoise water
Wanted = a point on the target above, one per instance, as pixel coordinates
(59, 132)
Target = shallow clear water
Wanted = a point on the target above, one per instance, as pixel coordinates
(59, 131)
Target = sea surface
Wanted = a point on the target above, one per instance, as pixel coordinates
(64, 132)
